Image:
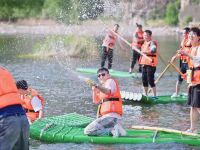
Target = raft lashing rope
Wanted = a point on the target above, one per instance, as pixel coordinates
(133, 96)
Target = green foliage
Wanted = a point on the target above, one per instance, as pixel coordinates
(90, 9)
(14, 9)
(68, 11)
(62, 10)
(70, 46)
(172, 12)
(187, 20)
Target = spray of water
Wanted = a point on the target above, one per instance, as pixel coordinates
(59, 51)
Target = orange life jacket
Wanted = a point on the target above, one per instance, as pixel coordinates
(196, 69)
(137, 42)
(8, 90)
(109, 40)
(146, 50)
(109, 103)
(31, 114)
(185, 46)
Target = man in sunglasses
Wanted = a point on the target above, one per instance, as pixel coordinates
(107, 95)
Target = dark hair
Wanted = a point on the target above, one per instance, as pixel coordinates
(22, 84)
(103, 69)
(116, 25)
(149, 32)
(195, 30)
(187, 29)
(138, 25)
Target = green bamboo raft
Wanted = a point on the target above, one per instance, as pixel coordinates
(131, 98)
(69, 128)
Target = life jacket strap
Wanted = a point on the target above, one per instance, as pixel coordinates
(28, 110)
(151, 55)
(196, 68)
(110, 99)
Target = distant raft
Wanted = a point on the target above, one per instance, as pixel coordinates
(131, 98)
(114, 73)
(70, 127)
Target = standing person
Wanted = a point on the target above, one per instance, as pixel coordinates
(193, 78)
(32, 101)
(138, 40)
(14, 126)
(107, 95)
(108, 47)
(185, 46)
(150, 48)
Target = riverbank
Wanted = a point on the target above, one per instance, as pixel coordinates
(93, 28)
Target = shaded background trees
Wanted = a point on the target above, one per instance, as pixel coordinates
(171, 12)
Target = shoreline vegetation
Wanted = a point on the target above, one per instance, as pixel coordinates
(68, 40)
(79, 22)
(74, 46)
(71, 40)
(88, 28)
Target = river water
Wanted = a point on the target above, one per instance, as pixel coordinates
(65, 93)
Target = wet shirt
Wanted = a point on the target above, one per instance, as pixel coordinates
(110, 40)
(196, 59)
(36, 104)
(111, 85)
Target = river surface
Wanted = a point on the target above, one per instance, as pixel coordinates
(64, 92)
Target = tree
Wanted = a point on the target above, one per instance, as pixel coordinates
(172, 12)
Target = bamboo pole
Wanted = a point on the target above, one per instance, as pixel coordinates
(162, 60)
(135, 48)
(169, 64)
(163, 72)
(164, 130)
(177, 69)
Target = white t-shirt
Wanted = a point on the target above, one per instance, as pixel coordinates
(196, 59)
(111, 85)
(36, 104)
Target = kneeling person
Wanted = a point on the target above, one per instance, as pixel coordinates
(109, 113)
(32, 101)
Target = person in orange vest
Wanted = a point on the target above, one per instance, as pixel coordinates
(108, 47)
(150, 48)
(193, 78)
(185, 46)
(32, 101)
(107, 96)
(14, 126)
(138, 40)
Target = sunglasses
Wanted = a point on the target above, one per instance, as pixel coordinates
(101, 74)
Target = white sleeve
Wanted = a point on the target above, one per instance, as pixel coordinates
(196, 59)
(152, 47)
(36, 103)
(110, 84)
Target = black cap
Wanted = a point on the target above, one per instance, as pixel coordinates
(22, 84)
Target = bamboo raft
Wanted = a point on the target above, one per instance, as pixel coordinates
(69, 128)
(131, 98)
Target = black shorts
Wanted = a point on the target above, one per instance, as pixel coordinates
(194, 96)
(183, 69)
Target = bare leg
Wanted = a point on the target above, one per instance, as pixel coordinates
(154, 91)
(146, 90)
(178, 84)
(194, 117)
(198, 109)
